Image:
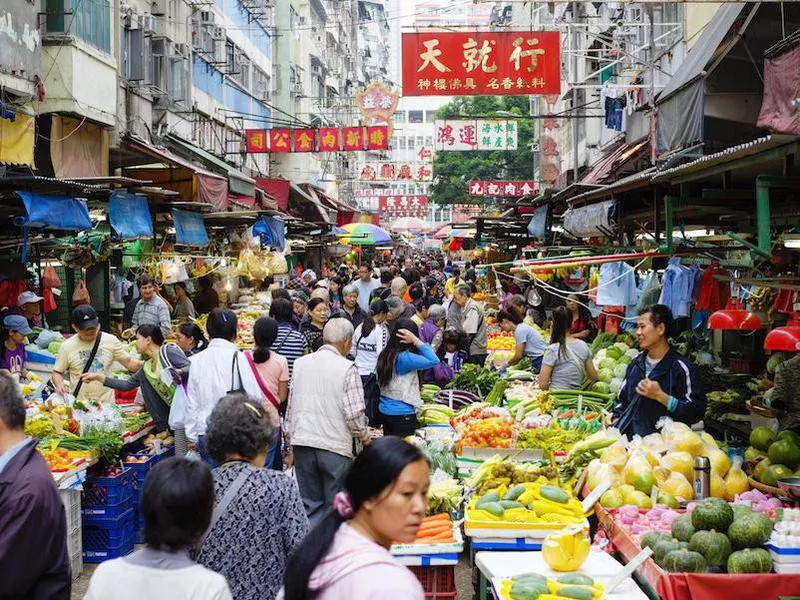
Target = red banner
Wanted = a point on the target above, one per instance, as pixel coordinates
(303, 140)
(378, 137)
(352, 138)
(255, 141)
(515, 189)
(403, 206)
(328, 139)
(279, 140)
(481, 63)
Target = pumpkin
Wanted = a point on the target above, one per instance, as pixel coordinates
(651, 538)
(750, 531)
(750, 560)
(712, 513)
(714, 546)
(684, 561)
(682, 528)
(661, 549)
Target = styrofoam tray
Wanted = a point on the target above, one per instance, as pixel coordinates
(427, 560)
(784, 556)
(500, 529)
(787, 568)
(522, 543)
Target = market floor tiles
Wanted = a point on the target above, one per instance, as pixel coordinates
(463, 581)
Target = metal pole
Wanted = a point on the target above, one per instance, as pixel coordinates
(574, 44)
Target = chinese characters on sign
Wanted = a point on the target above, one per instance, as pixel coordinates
(371, 192)
(325, 139)
(481, 63)
(396, 171)
(475, 134)
(377, 104)
(549, 151)
(403, 206)
(515, 189)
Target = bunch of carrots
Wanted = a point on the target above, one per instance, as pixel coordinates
(436, 529)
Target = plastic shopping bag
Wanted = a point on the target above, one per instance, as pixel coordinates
(177, 410)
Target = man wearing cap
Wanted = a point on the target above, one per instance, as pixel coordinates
(12, 352)
(74, 354)
(300, 305)
(28, 304)
(152, 309)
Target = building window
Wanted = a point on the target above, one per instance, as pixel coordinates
(420, 141)
(230, 58)
(411, 142)
(89, 20)
(399, 116)
(262, 84)
(402, 143)
(415, 116)
(429, 140)
(430, 116)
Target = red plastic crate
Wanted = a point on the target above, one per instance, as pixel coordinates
(438, 581)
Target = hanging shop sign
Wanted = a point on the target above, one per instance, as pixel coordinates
(323, 139)
(475, 134)
(377, 103)
(549, 145)
(403, 206)
(372, 192)
(481, 63)
(396, 171)
(515, 189)
(464, 212)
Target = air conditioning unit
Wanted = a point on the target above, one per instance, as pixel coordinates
(207, 16)
(218, 33)
(183, 50)
(158, 8)
(147, 22)
(297, 88)
(219, 51)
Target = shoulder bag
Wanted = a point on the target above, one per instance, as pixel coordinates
(261, 384)
(235, 370)
(88, 364)
(227, 498)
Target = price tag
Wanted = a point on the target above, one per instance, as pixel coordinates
(56, 292)
(601, 489)
(654, 494)
(628, 570)
(157, 446)
(57, 423)
(580, 403)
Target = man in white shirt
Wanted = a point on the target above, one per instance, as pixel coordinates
(365, 284)
(325, 418)
(151, 309)
(214, 372)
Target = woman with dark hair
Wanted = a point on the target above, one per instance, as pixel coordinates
(272, 374)
(369, 340)
(346, 556)
(313, 326)
(528, 342)
(157, 388)
(335, 285)
(184, 309)
(12, 345)
(206, 299)
(190, 338)
(289, 343)
(398, 364)
(566, 360)
(261, 516)
(177, 506)
(582, 327)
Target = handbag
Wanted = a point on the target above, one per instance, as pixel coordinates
(223, 505)
(81, 294)
(235, 368)
(180, 399)
(89, 362)
(264, 389)
(50, 278)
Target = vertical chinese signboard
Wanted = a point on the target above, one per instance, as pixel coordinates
(481, 63)
(475, 134)
(549, 145)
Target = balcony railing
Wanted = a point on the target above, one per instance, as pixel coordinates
(89, 20)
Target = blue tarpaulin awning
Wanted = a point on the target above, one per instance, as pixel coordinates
(272, 231)
(190, 229)
(55, 212)
(129, 216)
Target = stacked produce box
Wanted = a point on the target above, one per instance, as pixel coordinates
(107, 511)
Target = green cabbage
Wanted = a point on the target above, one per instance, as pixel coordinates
(605, 375)
(619, 371)
(608, 363)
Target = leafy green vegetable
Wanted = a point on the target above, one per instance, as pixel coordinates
(475, 379)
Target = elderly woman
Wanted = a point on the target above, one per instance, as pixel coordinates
(350, 309)
(261, 516)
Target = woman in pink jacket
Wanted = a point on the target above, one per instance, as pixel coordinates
(346, 556)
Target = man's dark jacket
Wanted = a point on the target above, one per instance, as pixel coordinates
(34, 563)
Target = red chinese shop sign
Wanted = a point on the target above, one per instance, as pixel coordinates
(481, 63)
(515, 189)
(403, 206)
(324, 139)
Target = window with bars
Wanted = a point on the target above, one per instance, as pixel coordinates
(89, 20)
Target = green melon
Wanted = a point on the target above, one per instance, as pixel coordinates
(684, 561)
(788, 434)
(714, 546)
(761, 466)
(785, 452)
(651, 538)
(750, 560)
(712, 513)
(773, 473)
(753, 454)
(761, 438)
(750, 531)
(661, 549)
(682, 528)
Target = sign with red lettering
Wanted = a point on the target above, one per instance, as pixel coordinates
(513, 189)
(475, 134)
(403, 206)
(328, 139)
(353, 138)
(279, 140)
(483, 63)
(255, 141)
(303, 140)
(396, 171)
(378, 137)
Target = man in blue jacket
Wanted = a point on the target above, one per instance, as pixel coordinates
(659, 382)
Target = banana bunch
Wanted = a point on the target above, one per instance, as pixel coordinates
(435, 414)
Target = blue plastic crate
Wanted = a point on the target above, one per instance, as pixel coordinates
(109, 534)
(101, 514)
(108, 490)
(98, 556)
(141, 469)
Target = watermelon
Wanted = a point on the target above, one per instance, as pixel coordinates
(761, 438)
(750, 560)
(784, 452)
(684, 561)
(712, 513)
(682, 528)
(750, 531)
(714, 546)
(773, 473)
(788, 434)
